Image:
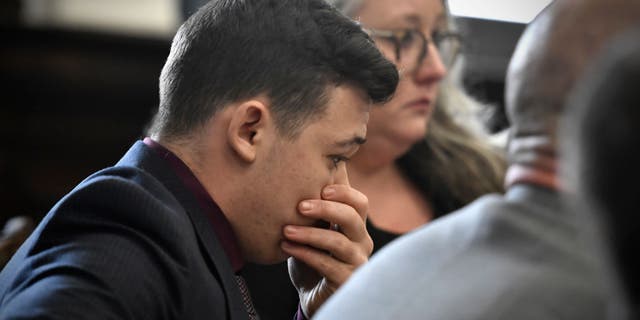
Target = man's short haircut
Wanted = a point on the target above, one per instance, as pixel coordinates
(291, 51)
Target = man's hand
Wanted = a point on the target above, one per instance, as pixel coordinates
(324, 258)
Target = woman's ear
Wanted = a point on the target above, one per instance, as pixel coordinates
(247, 127)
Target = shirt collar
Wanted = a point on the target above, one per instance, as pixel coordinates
(517, 174)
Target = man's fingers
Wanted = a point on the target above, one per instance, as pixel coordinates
(345, 216)
(335, 243)
(333, 270)
(349, 196)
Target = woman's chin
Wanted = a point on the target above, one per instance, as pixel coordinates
(413, 134)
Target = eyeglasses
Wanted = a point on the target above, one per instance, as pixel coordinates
(411, 46)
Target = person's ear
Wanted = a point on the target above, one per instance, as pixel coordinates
(247, 128)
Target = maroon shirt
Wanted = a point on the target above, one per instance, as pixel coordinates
(219, 222)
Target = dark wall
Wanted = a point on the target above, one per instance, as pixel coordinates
(72, 103)
(488, 47)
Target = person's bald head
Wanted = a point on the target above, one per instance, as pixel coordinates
(550, 57)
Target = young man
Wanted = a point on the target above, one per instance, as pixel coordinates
(261, 102)
(522, 255)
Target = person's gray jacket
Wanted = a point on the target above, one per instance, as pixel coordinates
(521, 256)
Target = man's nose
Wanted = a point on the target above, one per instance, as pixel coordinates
(341, 176)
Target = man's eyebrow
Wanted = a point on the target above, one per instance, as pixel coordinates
(357, 140)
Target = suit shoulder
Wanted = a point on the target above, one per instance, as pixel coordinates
(124, 197)
(118, 235)
(123, 180)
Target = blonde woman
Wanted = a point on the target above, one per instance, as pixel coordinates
(424, 156)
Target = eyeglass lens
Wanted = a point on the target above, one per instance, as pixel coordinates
(412, 48)
(448, 47)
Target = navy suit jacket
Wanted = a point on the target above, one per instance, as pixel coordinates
(129, 242)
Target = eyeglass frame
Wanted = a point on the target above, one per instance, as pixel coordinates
(393, 36)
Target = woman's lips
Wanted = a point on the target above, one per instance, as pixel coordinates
(420, 104)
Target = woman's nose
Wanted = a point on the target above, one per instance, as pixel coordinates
(431, 68)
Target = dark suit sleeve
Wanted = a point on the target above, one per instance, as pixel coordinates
(110, 250)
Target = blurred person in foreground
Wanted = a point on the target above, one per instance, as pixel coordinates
(261, 103)
(524, 255)
(601, 152)
(419, 162)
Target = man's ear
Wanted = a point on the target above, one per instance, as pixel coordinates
(247, 128)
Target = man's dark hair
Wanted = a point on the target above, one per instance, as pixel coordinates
(292, 51)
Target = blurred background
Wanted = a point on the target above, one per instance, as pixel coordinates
(78, 83)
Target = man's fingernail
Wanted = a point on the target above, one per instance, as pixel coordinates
(290, 230)
(328, 192)
(306, 206)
